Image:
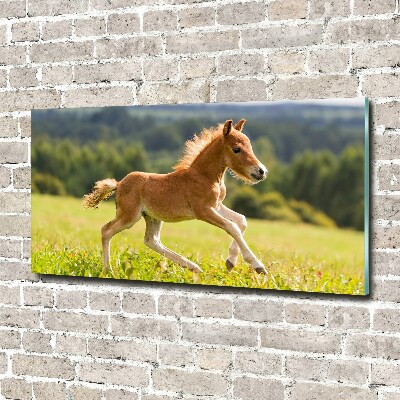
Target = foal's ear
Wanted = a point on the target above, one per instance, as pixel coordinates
(227, 127)
(239, 125)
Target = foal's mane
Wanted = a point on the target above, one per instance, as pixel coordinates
(196, 145)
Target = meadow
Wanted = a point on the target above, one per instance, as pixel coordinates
(300, 257)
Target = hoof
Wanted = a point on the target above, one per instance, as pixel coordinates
(195, 268)
(260, 270)
(229, 265)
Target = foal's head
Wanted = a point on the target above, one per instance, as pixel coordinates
(239, 156)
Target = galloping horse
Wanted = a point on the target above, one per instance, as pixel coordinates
(194, 190)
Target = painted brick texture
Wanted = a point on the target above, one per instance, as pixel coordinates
(63, 338)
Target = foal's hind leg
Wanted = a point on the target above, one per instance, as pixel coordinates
(118, 224)
(152, 240)
(240, 221)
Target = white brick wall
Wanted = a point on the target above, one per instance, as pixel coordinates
(64, 338)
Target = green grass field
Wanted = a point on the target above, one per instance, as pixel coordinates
(66, 241)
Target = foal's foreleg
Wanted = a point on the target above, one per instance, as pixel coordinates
(240, 221)
(211, 216)
(152, 240)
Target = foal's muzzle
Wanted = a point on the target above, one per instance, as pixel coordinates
(260, 173)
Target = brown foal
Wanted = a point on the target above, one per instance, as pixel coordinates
(194, 190)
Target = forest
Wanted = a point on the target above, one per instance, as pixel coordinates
(314, 154)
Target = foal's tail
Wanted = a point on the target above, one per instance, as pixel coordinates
(102, 190)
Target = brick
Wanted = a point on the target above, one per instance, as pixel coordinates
(386, 320)
(214, 359)
(72, 345)
(386, 147)
(286, 63)
(25, 126)
(10, 339)
(82, 392)
(257, 389)
(303, 87)
(385, 263)
(10, 248)
(282, 36)
(75, 322)
(305, 314)
(258, 311)
(114, 374)
(257, 362)
(195, 383)
(12, 55)
(159, 21)
(5, 177)
(123, 349)
(121, 394)
(119, 24)
(98, 97)
(38, 296)
(128, 47)
(104, 301)
(229, 335)
(387, 290)
(194, 91)
(241, 90)
(385, 374)
(108, 72)
(8, 127)
(307, 368)
(191, 17)
(22, 178)
(53, 75)
(11, 271)
(14, 202)
(160, 70)
(3, 78)
(329, 8)
(144, 328)
(241, 65)
(139, 303)
(386, 237)
(389, 177)
(12, 8)
(241, 13)
(200, 42)
(313, 391)
(37, 342)
(365, 30)
(297, 340)
(71, 299)
(329, 61)
(386, 207)
(388, 114)
(348, 318)
(376, 56)
(366, 7)
(3, 363)
(175, 355)
(26, 248)
(56, 52)
(15, 225)
(179, 306)
(25, 31)
(292, 9)
(390, 396)
(56, 7)
(197, 68)
(352, 372)
(214, 308)
(10, 295)
(48, 367)
(114, 4)
(372, 346)
(13, 152)
(16, 389)
(56, 30)
(27, 100)
(381, 85)
(94, 26)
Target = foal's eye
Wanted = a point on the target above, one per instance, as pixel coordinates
(236, 150)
